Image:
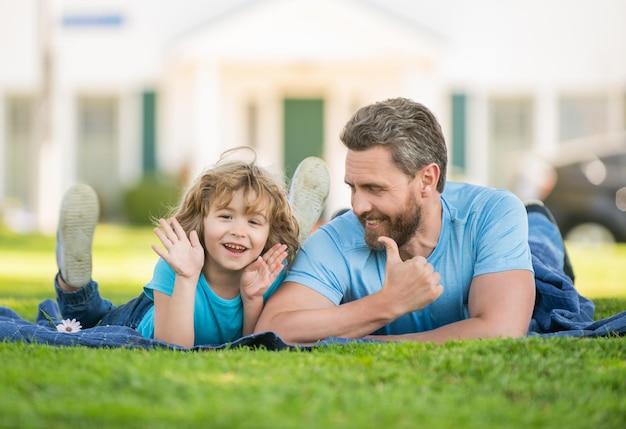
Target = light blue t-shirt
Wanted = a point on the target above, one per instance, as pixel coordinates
(216, 320)
(483, 230)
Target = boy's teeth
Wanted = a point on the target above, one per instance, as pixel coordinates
(232, 246)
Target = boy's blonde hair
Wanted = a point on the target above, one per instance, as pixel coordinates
(261, 191)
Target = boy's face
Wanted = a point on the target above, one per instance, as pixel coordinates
(233, 238)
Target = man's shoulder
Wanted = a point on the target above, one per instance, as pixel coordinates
(470, 194)
(465, 188)
(468, 200)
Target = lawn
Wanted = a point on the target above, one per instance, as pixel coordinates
(532, 382)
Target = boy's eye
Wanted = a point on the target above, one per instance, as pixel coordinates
(224, 216)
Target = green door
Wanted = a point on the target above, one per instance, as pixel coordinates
(304, 130)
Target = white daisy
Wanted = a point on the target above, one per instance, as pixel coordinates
(69, 326)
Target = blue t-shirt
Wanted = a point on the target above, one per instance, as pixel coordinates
(216, 320)
(484, 230)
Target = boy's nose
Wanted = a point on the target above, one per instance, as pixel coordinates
(238, 228)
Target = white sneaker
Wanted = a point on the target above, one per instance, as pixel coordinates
(77, 222)
(308, 192)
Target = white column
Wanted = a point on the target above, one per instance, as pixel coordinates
(57, 158)
(130, 143)
(339, 110)
(175, 121)
(546, 121)
(207, 142)
(269, 129)
(477, 149)
(422, 83)
(3, 149)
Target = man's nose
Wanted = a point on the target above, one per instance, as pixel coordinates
(360, 203)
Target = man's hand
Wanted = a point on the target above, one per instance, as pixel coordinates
(409, 285)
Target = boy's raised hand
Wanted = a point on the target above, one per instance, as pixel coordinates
(184, 254)
(258, 276)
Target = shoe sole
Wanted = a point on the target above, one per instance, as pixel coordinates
(308, 192)
(77, 223)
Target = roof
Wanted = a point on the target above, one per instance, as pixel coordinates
(307, 30)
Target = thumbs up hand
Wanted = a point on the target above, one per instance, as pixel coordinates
(409, 285)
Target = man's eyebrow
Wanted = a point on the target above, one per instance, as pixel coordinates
(368, 185)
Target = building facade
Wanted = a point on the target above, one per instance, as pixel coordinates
(111, 91)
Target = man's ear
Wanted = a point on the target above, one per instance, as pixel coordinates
(429, 176)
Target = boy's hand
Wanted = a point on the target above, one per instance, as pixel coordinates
(257, 277)
(184, 255)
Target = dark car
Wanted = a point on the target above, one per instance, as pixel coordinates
(588, 190)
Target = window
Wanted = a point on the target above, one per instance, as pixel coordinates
(510, 134)
(97, 149)
(21, 154)
(582, 116)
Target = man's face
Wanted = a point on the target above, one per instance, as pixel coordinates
(383, 197)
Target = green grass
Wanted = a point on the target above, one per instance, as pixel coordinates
(122, 264)
(599, 270)
(570, 383)
(530, 383)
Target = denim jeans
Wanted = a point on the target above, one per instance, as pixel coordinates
(90, 309)
(559, 308)
(546, 235)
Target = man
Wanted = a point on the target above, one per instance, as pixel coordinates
(411, 261)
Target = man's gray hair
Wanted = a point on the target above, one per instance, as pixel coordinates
(408, 128)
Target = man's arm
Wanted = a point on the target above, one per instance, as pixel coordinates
(300, 315)
(500, 306)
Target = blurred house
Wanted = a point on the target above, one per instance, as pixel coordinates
(107, 92)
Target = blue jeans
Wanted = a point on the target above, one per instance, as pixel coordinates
(90, 309)
(544, 234)
(559, 308)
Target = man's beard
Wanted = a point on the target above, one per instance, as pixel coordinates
(401, 228)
